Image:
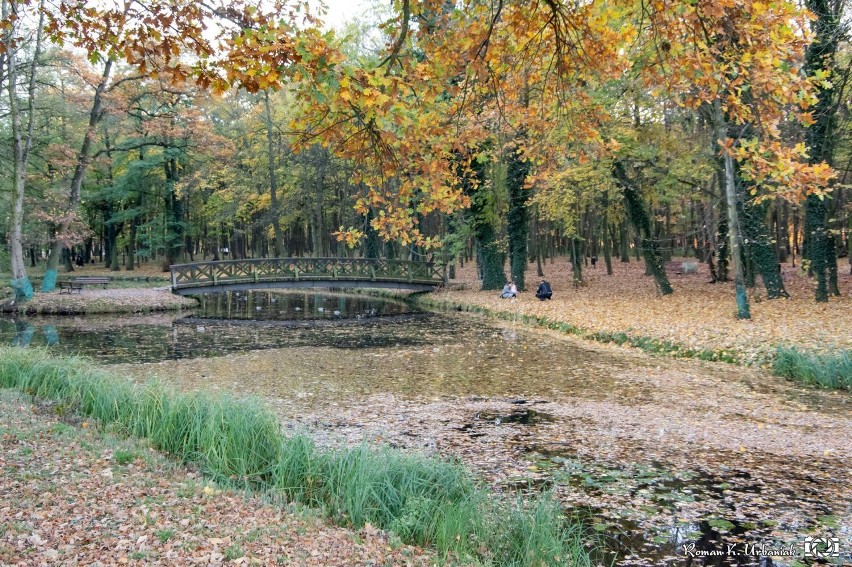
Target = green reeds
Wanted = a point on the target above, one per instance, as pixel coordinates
(824, 370)
(424, 501)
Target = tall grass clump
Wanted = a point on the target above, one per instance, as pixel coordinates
(824, 370)
(425, 501)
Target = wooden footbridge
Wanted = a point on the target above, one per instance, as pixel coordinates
(288, 273)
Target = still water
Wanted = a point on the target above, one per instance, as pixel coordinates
(528, 409)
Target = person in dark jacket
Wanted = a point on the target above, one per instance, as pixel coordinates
(544, 290)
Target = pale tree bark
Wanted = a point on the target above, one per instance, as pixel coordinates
(83, 160)
(22, 138)
(273, 195)
(734, 232)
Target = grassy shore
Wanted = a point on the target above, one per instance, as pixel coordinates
(75, 494)
(423, 501)
(697, 321)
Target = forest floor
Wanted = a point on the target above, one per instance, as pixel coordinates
(699, 315)
(72, 495)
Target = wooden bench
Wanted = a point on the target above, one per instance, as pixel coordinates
(79, 282)
(69, 287)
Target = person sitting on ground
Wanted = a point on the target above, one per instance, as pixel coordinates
(544, 291)
(509, 291)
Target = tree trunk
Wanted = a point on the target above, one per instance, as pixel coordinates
(607, 243)
(625, 244)
(83, 158)
(761, 254)
(577, 260)
(489, 257)
(518, 217)
(820, 139)
(175, 241)
(743, 311)
(21, 145)
(642, 224)
(273, 187)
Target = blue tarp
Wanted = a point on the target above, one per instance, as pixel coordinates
(23, 289)
(49, 281)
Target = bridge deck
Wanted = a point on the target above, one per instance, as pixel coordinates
(267, 273)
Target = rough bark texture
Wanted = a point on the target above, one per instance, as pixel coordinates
(83, 159)
(642, 223)
(489, 257)
(820, 139)
(518, 217)
(760, 250)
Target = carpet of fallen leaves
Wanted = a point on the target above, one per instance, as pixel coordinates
(699, 315)
(70, 495)
(92, 300)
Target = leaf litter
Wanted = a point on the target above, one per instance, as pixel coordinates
(71, 495)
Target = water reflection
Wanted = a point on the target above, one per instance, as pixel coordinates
(228, 323)
(338, 348)
(299, 306)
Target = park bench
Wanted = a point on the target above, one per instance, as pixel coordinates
(79, 282)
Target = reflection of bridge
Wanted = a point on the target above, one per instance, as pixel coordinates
(286, 273)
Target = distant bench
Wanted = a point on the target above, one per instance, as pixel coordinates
(78, 283)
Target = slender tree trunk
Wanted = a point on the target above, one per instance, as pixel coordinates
(21, 144)
(607, 243)
(743, 311)
(83, 159)
(273, 186)
(131, 246)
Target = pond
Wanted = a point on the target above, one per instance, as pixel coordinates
(654, 454)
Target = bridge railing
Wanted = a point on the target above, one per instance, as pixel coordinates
(262, 270)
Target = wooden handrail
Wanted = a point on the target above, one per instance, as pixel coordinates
(267, 270)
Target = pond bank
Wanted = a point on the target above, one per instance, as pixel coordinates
(662, 451)
(697, 321)
(116, 501)
(423, 501)
(92, 300)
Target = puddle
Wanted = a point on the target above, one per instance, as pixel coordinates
(522, 417)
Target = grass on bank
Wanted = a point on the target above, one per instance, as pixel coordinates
(425, 501)
(824, 370)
